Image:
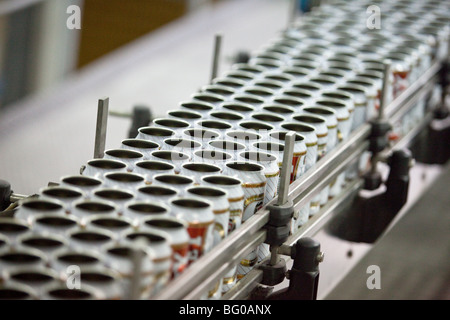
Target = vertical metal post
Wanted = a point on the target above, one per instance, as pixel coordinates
(285, 174)
(137, 257)
(383, 103)
(293, 11)
(283, 187)
(216, 56)
(385, 88)
(100, 130)
(273, 255)
(444, 74)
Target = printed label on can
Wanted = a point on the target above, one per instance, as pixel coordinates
(298, 164)
(219, 232)
(200, 234)
(252, 204)
(180, 258)
(247, 264)
(235, 220)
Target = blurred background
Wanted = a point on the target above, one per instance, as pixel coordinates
(154, 53)
(37, 50)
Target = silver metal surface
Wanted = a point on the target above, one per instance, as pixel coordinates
(273, 255)
(320, 257)
(17, 197)
(120, 114)
(385, 87)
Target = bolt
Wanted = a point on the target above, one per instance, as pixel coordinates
(382, 158)
(320, 257)
(120, 114)
(349, 253)
(285, 250)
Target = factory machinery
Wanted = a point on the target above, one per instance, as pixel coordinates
(315, 132)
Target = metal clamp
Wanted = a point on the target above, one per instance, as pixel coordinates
(304, 274)
(378, 137)
(281, 213)
(9, 200)
(280, 217)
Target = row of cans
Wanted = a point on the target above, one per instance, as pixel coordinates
(197, 173)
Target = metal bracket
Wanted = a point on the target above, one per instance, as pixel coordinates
(281, 213)
(378, 137)
(273, 274)
(280, 217)
(304, 274)
(9, 200)
(378, 142)
(278, 226)
(372, 212)
(431, 146)
(376, 212)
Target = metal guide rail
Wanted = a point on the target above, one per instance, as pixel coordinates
(202, 274)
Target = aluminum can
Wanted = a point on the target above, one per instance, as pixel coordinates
(200, 219)
(176, 229)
